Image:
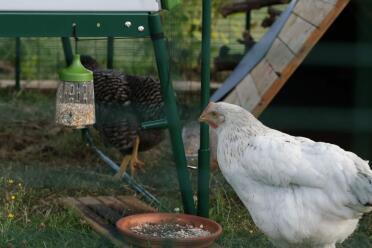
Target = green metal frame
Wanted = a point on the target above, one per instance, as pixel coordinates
(111, 24)
(204, 152)
(59, 24)
(67, 50)
(174, 126)
(18, 63)
(110, 52)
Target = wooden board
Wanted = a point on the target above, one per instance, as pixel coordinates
(279, 56)
(233, 98)
(251, 100)
(300, 52)
(102, 212)
(263, 76)
(254, 56)
(313, 11)
(306, 24)
(296, 32)
(331, 1)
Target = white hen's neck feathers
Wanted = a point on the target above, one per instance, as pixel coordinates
(237, 118)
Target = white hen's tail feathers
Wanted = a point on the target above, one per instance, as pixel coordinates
(362, 185)
(362, 189)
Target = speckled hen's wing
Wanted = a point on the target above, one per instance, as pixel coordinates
(146, 97)
(111, 87)
(120, 135)
(147, 104)
(115, 119)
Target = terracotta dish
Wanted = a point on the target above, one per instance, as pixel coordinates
(127, 223)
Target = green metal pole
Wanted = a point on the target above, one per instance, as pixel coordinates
(204, 153)
(247, 27)
(110, 52)
(67, 50)
(18, 64)
(170, 107)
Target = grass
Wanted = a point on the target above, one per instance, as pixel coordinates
(40, 162)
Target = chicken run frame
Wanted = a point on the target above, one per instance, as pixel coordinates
(252, 85)
(121, 19)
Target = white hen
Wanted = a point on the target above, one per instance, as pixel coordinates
(300, 193)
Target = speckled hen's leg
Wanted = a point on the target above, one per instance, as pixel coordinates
(135, 162)
(123, 167)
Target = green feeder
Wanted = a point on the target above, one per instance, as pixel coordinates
(75, 96)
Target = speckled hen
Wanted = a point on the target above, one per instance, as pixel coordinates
(123, 102)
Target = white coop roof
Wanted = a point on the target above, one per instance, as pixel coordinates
(80, 5)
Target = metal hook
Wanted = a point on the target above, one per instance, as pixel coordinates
(74, 35)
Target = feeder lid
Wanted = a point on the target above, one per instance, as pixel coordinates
(76, 72)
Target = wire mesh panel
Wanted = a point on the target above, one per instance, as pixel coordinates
(41, 58)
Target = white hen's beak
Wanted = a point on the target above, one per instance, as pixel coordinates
(204, 117)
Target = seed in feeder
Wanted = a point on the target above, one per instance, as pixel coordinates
(75, 114)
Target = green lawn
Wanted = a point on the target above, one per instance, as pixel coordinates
(40, 162)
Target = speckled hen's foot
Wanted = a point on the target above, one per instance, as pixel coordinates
(135, 164)
(123, 167)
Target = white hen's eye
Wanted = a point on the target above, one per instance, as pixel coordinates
(214, 114)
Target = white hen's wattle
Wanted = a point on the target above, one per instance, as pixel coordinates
(300, 193)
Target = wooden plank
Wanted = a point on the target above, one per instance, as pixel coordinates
(313, 11)
(97, 224)
(331, 1)
(279, 56)
(296, 32)
(247, 93)
(254, 56)
(136, 204)
(300, 56)
(112, 202)
(100, 209)
(263, 76)
(232, 97)
(119, 206)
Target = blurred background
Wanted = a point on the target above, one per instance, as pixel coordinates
(328, 99)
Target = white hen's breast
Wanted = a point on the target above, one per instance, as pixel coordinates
(289, 214)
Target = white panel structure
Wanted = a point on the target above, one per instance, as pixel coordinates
(80, 5)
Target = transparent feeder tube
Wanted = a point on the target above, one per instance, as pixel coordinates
(75, 104)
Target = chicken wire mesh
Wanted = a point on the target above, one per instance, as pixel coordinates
(41, 58)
